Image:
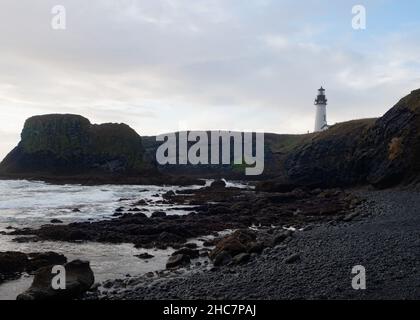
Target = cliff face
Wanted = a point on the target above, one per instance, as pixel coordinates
(383, 152)
(328, 159)
(70, 144)
(392, 145)
(276, 148)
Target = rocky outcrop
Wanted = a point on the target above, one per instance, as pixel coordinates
(238, 242)
(328, 160)
(218, 184)
(78, 279)
(276, 147)
(212, 211)
(177, 260)
(42, 259)
(234, 248)
(145, 256)
(391, 148)
(313, 265)
(238, 247)
(383, 152)
(69, 144)
(13, 264)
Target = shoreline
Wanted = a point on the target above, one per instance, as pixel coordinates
(98, 180)
(331, 224)
(210, 209)
(384, 238)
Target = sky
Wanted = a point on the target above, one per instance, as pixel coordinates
(167, 65)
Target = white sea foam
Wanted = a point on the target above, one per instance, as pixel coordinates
(24, 203)
(31, 204)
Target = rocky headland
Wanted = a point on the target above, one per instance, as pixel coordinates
(65, 148)
(383, 152)
(213, 209)
(315, 263)
(316, 211)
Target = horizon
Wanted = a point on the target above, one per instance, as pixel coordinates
(178, 131)
(166, 66)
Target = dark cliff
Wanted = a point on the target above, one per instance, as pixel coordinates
(70, 144)
(276, 148)
(383, 152)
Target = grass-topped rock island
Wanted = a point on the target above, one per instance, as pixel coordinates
(326, 202)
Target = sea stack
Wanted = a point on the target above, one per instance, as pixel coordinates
(66, 144)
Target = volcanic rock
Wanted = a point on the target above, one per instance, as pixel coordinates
(79, 278)
(218, 184)
(178, 260)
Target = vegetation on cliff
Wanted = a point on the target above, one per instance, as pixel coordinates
(383, 152)
(70, 144)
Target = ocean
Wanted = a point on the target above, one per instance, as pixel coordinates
(33, 203)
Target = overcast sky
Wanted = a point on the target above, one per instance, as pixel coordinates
(164, 65)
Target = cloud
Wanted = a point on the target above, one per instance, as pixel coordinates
(211, 64)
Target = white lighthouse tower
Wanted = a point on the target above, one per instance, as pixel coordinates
(321, 111)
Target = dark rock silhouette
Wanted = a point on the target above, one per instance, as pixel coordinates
(70, 144)
(13, 264)
(79, 278)
(383, 152)
(177, 260)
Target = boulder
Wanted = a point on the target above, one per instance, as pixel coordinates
(241, 258)
(141, 202)
(191, 245)
(169, 238)
(145, 256)
(218, 184)
(210, 242)
(204, 253)
(192, 253)
(178, 260)
(239, 241)
(222, 258)
(79, 279)
(158, 214)
(168, 194)
(43, 259)
(13, 262)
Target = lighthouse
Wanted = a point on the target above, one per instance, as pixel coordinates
(321, 111)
